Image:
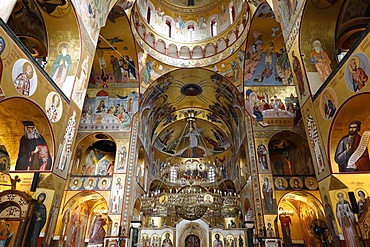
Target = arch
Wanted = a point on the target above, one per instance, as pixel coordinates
(161, 46)
(210, 50)
(85, 208)
(185, 52)
(86, 160)
(349, 115)
(197, 52)
(221, 45)
(172, 50)
(289, 154)
(302, 209)
(198, 228)
(141, 30)
(14, 111)
(150, 39)
(232, 37)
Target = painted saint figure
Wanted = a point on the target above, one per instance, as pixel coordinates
(262, 156)
(97, 232)
(350, 155)
(67, 142)
(23, 81)
(332, 225)
(359, 77)
(315, 142)
(61, 67)
(361, 202)
(297, 68)
(37, 222)
(320, 59)
(167, 241)
(217, 242)
(267, 195)
(286, 222)
(347, 221)
(329, 106)
(33, 150)
(52, 111)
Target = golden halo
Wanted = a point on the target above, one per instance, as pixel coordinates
(357, 62)
(71, 183)
(24, 68)
(313, 40)
(361, 189)
(100, 183)
(61, 45)
(336, 193)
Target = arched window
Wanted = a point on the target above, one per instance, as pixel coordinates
(191, 33)
(173, 174)
(167, 28)
(148, 14)
(213, 27)
(232, 13)
(211, 174)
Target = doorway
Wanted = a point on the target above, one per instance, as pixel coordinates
(192, 241)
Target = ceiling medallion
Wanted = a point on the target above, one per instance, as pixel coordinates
(191, 90)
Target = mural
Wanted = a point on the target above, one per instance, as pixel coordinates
(357, 72)
(33, 150)
(24, 77)
(109, 113)
(289, 155)
(350, 141)
(267, 62)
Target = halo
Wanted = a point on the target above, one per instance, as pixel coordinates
(100, 183)
(357, 62)
(312, 41)
(6, 50)
(86, 182)
(338, 192)
(24, 68)
(60, 46)
(361, 189)
(276, 182)
(42, 192)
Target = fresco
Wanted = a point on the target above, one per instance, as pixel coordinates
(53, 107)
(55, 8)
(357, 72)
(267, 62)
(24, 77)
(93, 15)
(109, 113)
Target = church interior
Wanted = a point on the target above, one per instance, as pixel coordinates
(184, 123)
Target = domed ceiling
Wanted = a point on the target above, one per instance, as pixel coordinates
(192, 102)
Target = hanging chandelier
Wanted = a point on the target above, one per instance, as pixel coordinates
(191, 175)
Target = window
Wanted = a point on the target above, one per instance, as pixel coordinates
(232, 13)
(173, 174)
(167, 28)
(213, 27)
(148, 14)
(211, 174)
(191, 33)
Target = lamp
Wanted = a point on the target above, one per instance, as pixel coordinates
(191, 176)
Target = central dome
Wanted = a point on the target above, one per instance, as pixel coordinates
(191, 6)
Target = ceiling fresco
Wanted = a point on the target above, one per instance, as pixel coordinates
(266, 61)
(200, 100)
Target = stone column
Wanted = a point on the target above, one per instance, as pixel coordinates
(6, 8)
